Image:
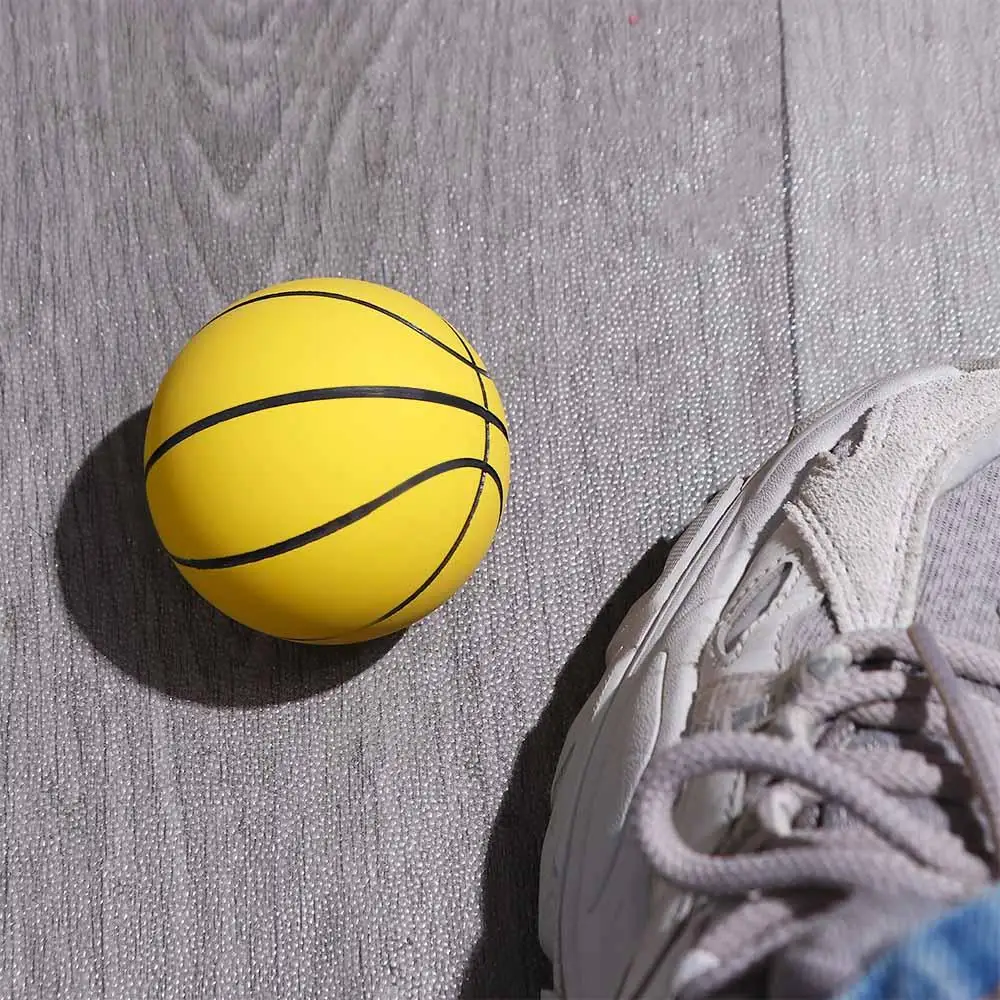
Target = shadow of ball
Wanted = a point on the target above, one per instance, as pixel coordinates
(126, 596)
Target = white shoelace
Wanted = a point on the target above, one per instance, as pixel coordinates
(780, 878)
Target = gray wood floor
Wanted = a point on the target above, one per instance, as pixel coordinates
(671, 228)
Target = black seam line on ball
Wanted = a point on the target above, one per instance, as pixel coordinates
(439, 569)
(340, 297)
(409, 600)
(343, 521)
(386, 617)
(318, 395)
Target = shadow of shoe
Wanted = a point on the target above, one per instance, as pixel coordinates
(508, 960)
(126, 596)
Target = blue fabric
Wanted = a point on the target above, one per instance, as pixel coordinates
(956, 957)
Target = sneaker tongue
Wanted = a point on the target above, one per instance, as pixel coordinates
(958, 581)
(954, 817)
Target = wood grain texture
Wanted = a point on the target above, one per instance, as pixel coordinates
(895, 159)
(189, 810)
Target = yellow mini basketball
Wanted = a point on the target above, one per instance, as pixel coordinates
(327, 460)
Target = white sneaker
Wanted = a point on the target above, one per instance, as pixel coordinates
(863, 521)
